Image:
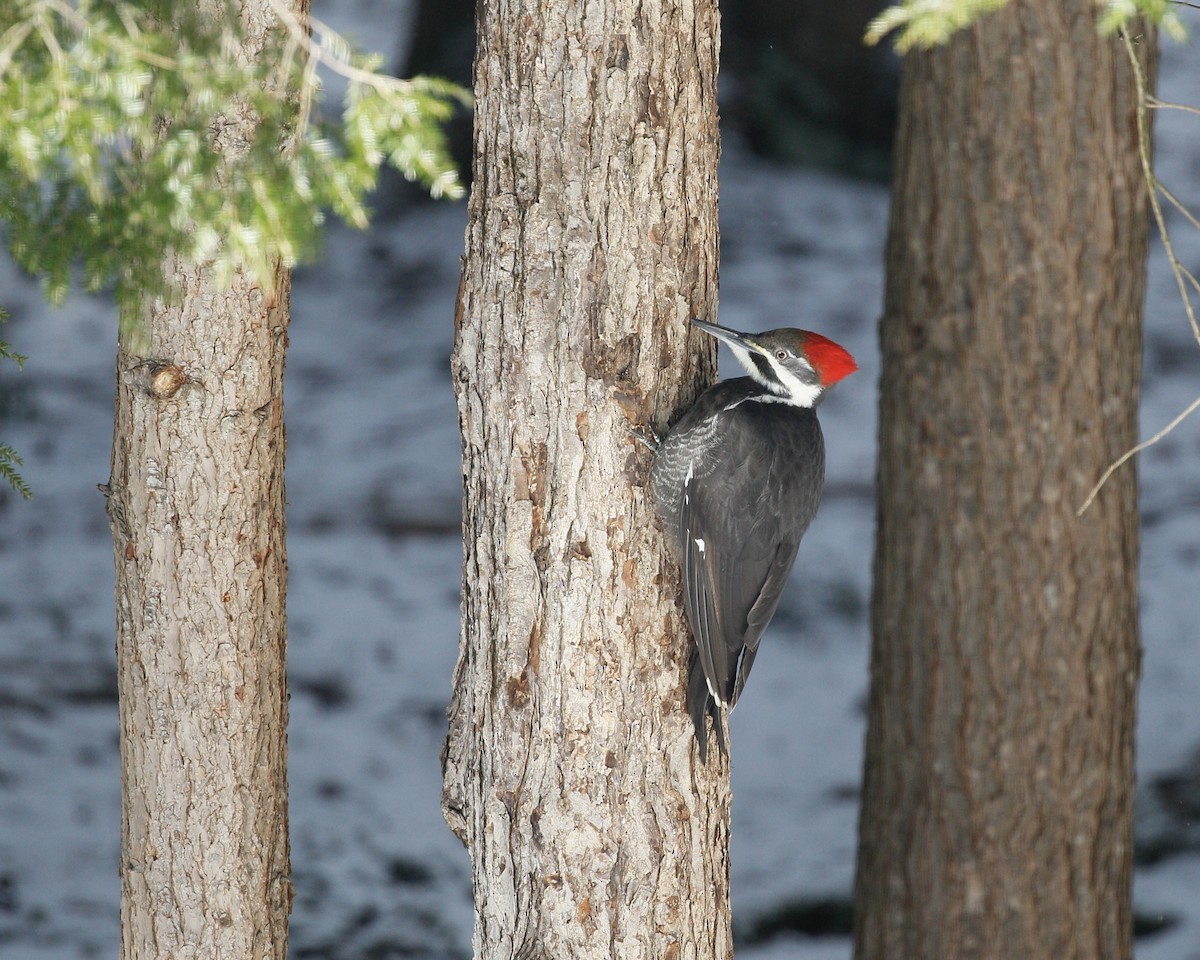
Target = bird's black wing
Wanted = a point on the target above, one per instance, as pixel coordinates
(745, 510)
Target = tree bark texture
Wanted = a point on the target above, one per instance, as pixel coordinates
(196, 499)
(570, 767)
(997, 807)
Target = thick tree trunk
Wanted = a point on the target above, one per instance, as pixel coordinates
(196, 500)
(571, 771)
(996, 815)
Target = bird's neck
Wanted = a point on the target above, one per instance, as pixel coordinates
(795, 393)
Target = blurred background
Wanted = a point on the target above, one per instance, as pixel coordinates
(374, 537)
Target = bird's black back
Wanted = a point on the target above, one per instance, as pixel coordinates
(756, 474)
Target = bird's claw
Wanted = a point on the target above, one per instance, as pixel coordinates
(646, 436)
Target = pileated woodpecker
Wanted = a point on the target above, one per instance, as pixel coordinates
(737, 481)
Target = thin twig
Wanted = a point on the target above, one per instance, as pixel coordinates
(11, 42)
(67, 12)
(1155, 104)
(1153, 185)
(1182, 275)
(316, 54)
(149, 57)
(125, 12)
(1134, 451)
(51, 41)
(1188, 215)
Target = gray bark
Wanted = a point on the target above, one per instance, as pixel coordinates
(196, 500)
(570, 768)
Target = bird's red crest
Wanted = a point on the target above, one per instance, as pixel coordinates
(830, 360)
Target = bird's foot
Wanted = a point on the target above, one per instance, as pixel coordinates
(645, 435)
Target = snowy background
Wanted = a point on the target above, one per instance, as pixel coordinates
(373, 491)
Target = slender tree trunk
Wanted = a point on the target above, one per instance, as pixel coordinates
(996, 816)
(570, 768)
(197, 503)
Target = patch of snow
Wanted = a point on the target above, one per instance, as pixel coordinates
(373, 490)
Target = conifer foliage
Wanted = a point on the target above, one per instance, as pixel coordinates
(92, 175)
(922, 24)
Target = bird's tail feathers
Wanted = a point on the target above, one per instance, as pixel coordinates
(701, 705)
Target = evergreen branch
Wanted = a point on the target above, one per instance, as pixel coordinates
(931, 23)
(6, 352)
(9, 461)
(90, 172)
(1118, 14)
(927, 23)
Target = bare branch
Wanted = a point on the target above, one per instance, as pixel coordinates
(1183, 277)
(1155, 104)
(316, 54)
(1134, 451)
(1191, 217)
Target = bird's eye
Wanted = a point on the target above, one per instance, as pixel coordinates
(781, 354)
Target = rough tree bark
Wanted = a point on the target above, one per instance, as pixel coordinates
(570, 767)
(997, 812)
(196, 499)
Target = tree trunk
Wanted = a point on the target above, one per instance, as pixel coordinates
(997, 809)
(196, 500)
(570, 768)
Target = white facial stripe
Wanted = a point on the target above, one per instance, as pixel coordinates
(793, 390)
(800, 393)
(743, 357)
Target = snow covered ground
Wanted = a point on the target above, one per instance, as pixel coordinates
(373, 490)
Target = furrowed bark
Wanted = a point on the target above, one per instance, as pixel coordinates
(570, 768)
(997, 812)
(196, 499)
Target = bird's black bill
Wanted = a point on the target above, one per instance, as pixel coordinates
(732, 337)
